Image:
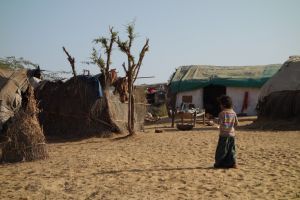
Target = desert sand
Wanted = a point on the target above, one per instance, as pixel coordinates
(168, 165)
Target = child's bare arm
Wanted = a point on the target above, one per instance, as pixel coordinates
(219, 120)
(236, 122)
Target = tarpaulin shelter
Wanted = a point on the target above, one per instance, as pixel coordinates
(12, 84)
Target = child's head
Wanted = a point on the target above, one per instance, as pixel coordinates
(225, 102)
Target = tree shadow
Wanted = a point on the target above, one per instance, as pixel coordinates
(174, 129)
(77, 138)
(155, 170)
(123, 137)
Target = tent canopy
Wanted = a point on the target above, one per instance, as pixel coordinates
(192, 77)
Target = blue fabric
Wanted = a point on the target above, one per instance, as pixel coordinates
(99, 87)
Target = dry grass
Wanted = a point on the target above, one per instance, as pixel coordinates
(25, 138)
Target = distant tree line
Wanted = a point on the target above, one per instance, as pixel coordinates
(16, 63)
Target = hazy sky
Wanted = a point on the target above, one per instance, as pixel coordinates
(181, 32)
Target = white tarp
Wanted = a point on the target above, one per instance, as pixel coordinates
(12, 83)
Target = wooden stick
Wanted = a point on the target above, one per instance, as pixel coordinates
(145, 77)
(71, 61)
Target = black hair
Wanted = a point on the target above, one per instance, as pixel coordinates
(225, 101)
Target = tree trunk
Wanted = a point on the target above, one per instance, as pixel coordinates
(130, 107)
(132, 112)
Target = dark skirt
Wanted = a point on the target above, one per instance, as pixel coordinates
(225, 156)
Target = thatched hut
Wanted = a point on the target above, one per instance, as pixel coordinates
(279, 98)
(21, 137)
(80, 108)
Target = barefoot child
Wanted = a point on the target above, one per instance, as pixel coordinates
(225, 153)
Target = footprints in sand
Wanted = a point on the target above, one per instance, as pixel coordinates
(164, 166)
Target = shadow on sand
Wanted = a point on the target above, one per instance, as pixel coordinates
(155, 170)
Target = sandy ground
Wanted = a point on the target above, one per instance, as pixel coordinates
(168, 165)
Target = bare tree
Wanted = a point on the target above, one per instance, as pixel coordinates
(71, 61)
(132, 71)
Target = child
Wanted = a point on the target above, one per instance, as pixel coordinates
(225, 153)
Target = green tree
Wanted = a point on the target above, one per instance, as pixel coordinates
(132, 71)
(107, 45)
(16, 63)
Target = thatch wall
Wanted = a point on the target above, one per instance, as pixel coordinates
(279, 111)
(280, 105)
(24, 136)
(75, 109)
(279, 100)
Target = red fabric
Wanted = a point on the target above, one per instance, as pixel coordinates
(151, 90)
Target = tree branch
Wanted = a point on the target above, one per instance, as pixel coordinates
(107, 45)
(139, 63)
(71, 61)
(109, 48)
(98, 60)
(124, 67)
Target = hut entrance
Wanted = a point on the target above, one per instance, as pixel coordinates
(211, 93)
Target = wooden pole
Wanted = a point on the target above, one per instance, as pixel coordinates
(71, 61)
(173, 118)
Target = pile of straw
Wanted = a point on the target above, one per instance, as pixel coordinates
(25, 138)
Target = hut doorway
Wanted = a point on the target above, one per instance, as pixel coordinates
(211, 93)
